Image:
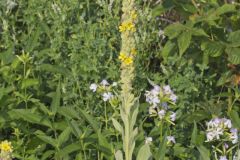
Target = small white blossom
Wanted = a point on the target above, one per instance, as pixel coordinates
(104, 82)
(173, 116)
(161, 114)
(93, 87)
(107, 96)
(148, 140)
(223, 158)
(151, 110)
(165, 105)
(234, 135)
(227, 123)
(114, 84)
(173, 97)
(167, 89)
(170, 139)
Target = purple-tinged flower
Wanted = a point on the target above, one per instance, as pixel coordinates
(165, 105)
(104, 82)
(93, 87)
(223, 158)
(173, 98)
(227, 123)
(170, 139)
(226, 146)
(107, 96)
(167, 89)
(173, 116)
(161, 113)
(234, 135)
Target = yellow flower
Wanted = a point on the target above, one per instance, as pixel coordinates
(127, 26)
(128, 60)
(122, 28)
(6, 146)
(122, 56)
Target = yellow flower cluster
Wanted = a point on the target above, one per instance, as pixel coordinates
(127, 26)
(127, 59)
(6, 146)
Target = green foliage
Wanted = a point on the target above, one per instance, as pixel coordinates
(51, 51)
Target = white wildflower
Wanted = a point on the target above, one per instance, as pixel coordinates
(93, 87)
(223, 158)
(107, 96)
(148, 140)
(104, 82)
(161, 114)
(170, 139)
(173, 116)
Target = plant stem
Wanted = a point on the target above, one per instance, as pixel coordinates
(106, 118)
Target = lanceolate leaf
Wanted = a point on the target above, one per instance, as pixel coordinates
(64, 136)
(56, 100)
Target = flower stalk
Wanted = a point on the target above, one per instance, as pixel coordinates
(128, 107)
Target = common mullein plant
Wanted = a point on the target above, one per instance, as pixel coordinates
(128, 107)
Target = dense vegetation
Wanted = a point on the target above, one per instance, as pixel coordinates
(62, 79)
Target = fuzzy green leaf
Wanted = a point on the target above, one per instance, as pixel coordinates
(119, 155)
(117, 125)
(144, 153)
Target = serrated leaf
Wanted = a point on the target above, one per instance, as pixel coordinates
(144, 153)
(69, 149)
(213, 49)
(233, 55)
(226, 8)
(184, 41)
(173, 30)
(64, 136)
(46, 139)
(234, 37)
(29, 82)
(168, 47)
(54, 69)
(30, 116)
(68, 112)
(56, 100)
(75, 128)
